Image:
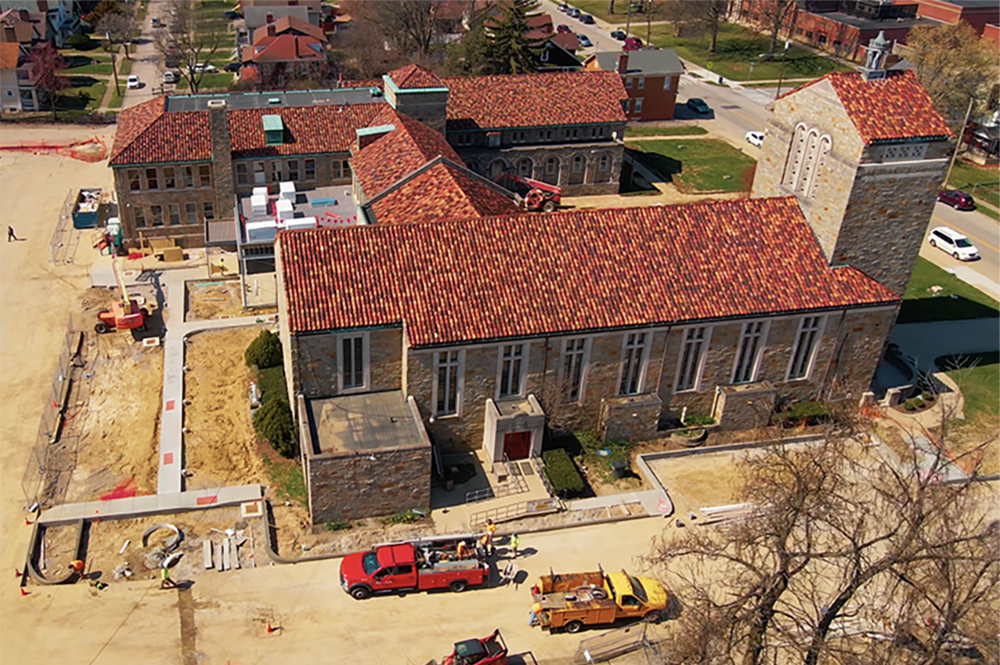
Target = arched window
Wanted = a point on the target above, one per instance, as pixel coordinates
(525, 167)
(497, 167)
(578, 170)
(796, 152)
(474, 166)
(808, 163)
(551, 171)
(816, 168)
(603, 164)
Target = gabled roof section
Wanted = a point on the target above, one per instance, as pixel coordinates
(894, 108)
(146, 134)
(439, 192)
(290, 24)
(308, 129)
(283, 48)
(414, 77)
(529, 275)
(9, 53)
(646, 62)
(534, 100)
(398, 153)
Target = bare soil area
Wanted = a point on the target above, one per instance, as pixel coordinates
(214, 300)
(120, 419)
(697, 481)
(220, 444)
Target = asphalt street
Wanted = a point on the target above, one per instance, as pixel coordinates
(983, 231)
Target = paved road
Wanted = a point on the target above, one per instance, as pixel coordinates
(982, 230)
(148, 65)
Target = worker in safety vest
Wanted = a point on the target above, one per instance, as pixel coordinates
(462, 550)
(77, 566)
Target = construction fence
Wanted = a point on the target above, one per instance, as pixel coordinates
(52, 458)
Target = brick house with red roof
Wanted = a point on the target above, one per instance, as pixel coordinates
(283, 51)
(481, 332)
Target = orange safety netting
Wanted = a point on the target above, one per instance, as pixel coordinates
(93, 149)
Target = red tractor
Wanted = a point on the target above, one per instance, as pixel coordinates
(531, 195)
(490, 650)
(125, 314)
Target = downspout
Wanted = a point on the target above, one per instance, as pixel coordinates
(837, 349)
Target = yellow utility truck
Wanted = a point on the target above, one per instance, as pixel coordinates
(575, 600)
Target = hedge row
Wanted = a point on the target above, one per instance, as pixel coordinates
(811, 412)
(562, 472)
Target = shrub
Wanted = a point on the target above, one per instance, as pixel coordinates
(338, 526)
(810, 412)
(699, 421)
(909, 405)
(403, 517)
(926, 396)
(273, 422)
(918, 403)
(562, 472)
(81, 42)
(264, 352)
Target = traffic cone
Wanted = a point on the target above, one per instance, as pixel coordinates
(17, 573)
(269, 630)
(27, 522)
(23, 592)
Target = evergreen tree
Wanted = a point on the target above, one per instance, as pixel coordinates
(510, 50)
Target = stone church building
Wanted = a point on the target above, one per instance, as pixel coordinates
(480, 331)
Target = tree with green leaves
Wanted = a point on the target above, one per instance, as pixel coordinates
(510, 50)
(273, 421)
(264, 351)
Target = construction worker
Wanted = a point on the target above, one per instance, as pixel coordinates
(484, 544)
(462, 550)
(10, 234)
(514, 542)
(491, 530)
(77, 566)
(165, 581)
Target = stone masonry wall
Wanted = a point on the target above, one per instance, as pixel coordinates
(480, 159)
(314, 362)
(186, 235)
(349, 487)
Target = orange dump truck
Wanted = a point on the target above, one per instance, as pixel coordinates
(575, 600)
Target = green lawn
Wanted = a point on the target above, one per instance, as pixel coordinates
(978, 375)
(599, 9)
(286, 477)
(981, 182)
(705, 165)
(86, 92)
(115, 101)
(84, 64)
(921, 305)
(664, 131)
(220, 81)
(736, 48)
(271, 384)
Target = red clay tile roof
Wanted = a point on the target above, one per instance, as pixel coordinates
(530, 275)
(283, 48)
(567, 40)
(412, 77)
(9, 52)
(534, 100)
(440, 193)
(397, 153)
(290, 23)
(893, 108)
(146, 134)
(308, 129)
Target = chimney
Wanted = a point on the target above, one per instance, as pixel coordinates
(222, 158)
(622, 65)
(270, 30)
(269, 18)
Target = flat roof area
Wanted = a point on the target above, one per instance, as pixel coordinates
(333, 205)
(276, 99)
(877, 24)
(364, 423)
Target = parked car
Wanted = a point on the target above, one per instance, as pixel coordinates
(587, 18)
(155, 22)
(619, 35)
(564, 8)
(170, 76)
(697, 105)
(563, 29)
(755, 139)
(231, 15)
(584, 41)
(202, 67)
(133, 81)
(957, 199)
(233, 67)
(573, 12)
(630, 47)
(954, 243)
(634, 41)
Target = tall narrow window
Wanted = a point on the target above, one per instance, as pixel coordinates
(204, 175)
(692, 353)
(293, 170)
(824, 149)
(572, 369)
(175, 214)
(310, 170)
(242, 174)
(446, 385)
(140, 217)
(187, 177)
(169, 180)
(796, 153)
(276, 171)
(751, 342)
(134, 184)
(808, 163)
(352, 362)
(632, 361)
(191, 213)
(805, 347)
(152, 182)
(209, 210)
(156, 212)
(511, 366)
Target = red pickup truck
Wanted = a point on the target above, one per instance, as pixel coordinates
(419, 565)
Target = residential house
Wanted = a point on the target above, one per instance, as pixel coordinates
(61, 18)
(255, 18)
(17, 89)
(278, 8)
(22, 27)
(478, 333)
(650, 78)
(178, 172)
(558, 53)
(285, 51)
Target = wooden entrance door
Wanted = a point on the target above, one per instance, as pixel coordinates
(517, 445)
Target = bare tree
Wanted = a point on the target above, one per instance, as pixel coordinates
(188, 43)
(46, 63)
(841, 535)
(775, 15)
(708, 15)
(118, 26)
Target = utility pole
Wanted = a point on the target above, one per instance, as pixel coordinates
(781, 75)
(961, 135)
(628, 18)
(114, 69)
